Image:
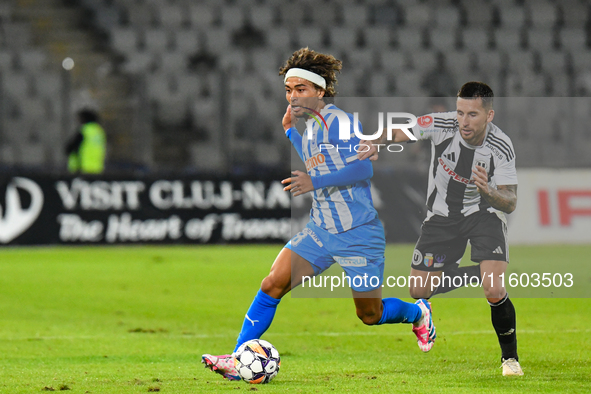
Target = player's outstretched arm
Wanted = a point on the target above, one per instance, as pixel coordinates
(503, 198)
(352, 173)
(372, 152)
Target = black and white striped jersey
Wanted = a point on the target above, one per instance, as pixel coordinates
(451, 191)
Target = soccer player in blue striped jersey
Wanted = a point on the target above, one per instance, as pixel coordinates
(344, 227)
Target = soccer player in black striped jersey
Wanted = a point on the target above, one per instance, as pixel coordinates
(472, 184)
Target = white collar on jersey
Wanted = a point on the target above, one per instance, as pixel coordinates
(307, 75)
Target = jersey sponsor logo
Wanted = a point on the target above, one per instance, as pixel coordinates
(439, 259)
(354, 261)
(315, 161)
(425, 121)
(428, 260)
(417, 257)
(453, 175)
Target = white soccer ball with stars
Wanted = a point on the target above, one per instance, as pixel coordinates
(257, 361)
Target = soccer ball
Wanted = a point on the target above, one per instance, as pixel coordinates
(257, 361)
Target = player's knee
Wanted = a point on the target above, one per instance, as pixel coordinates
(274, 287)
(368, 317)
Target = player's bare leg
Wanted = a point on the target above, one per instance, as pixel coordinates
(423, 284)
(502, 314)
(275, 285)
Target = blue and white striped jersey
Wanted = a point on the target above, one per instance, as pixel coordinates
(335, 209)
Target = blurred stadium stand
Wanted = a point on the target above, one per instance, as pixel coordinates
(192, 85)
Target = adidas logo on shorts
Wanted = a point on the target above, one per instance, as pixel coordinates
(498, 250)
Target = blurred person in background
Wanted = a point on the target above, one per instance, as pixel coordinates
(86, 149)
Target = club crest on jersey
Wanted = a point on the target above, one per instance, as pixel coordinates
(428, 260)
(417, 257)
(482, 164)
(425, 121)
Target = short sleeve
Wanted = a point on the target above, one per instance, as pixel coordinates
(436, 126)
(505, 172)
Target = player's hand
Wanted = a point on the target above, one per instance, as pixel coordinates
(481, 180)
(288, 119)
(299, 183)
(364, 153)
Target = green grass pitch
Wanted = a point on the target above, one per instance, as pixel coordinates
(137, 319)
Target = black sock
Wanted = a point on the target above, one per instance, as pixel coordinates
(465, 273)
(503, 319)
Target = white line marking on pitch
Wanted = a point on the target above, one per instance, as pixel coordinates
(286, 334)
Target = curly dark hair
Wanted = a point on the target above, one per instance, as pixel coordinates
(327, 66)
(474, 89)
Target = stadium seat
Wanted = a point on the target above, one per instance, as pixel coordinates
(201, 15)
(423, 60)
(581, 61)
(418, 16)
(156, 41)
(262, 16)
(377, 37)
(460, 63)
(573, 39)
(512, 17)
(33, 60)
(171, 111)
(187, 41)
(443, 39)
(188, 85)
(446, 16)
(233, 17)
(575, 13)
(233, 61)
(48, 84)
(217, 40)
(124, 40)
(554, 62)
(17, 84)
(158, 85)
(491, 62)
(522, 61)
(344, 38)
(409, 84)
(170, 16)
(17, 35)
(410, 38)
(560, 85)
(137, 62)
(394, 62)
(173, 62)
(206, 156)
(7, 154)
(312, 37)
(380, 85)
(476, 39)
(292, 14)
(479, 13)
(510, 40)
(361, 58)
(325, 14)
(542, 39)
(279, 38)
(6, 60)
(32, 154)
(140, 15)
(355, 16)
(543, 14)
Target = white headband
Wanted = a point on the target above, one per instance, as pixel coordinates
(307, 75)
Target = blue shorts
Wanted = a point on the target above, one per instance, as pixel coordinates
(359, 251)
